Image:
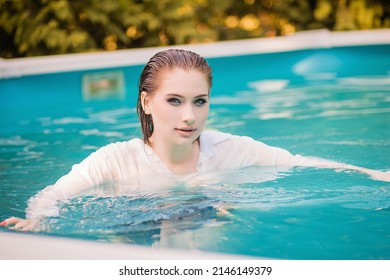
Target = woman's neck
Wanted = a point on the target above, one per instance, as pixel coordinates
(180, 159)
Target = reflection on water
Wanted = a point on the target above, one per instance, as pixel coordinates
(142, 206)
(206, 211)
(346, 97)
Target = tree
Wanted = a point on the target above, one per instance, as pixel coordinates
(45, 27)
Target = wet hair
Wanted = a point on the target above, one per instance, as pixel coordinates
(161, 62)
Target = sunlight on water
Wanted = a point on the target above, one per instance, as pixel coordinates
(345, 98)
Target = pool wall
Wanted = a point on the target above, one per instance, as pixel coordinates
(63, 74)
(316, 39)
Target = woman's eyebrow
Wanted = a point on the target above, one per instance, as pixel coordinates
(174, 95)
(202, 95)
(182, 96)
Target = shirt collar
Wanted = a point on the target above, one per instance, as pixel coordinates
(208, 140)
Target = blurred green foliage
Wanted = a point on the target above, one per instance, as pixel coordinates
(46, 27)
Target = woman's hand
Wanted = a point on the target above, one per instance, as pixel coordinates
(19, 224)
(374, 174)
(380, 175)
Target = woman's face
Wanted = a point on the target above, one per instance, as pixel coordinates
(179, 106)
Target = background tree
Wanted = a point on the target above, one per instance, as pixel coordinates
(45, 27)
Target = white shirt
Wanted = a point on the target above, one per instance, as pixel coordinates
(135, 161)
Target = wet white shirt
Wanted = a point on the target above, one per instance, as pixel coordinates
(134, 160)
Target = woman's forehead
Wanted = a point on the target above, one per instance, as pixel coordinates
(182, 75)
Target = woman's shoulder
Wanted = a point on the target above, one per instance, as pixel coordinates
(122, 146)
(216, 137)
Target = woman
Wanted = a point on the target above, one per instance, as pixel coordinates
(173, 104)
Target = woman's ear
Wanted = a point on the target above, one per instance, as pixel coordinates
(145, 102)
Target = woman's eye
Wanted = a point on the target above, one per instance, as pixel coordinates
(200, 101)
(174, 101)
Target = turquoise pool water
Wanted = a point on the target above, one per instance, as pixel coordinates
(330, 103)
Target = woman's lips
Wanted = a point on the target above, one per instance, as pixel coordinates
(185, 131)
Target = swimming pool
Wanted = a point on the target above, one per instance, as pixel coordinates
(327, 100)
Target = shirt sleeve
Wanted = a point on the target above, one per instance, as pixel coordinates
(97, 168)
(246, 151)
(252, 152)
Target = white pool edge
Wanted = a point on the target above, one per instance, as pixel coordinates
(18, 67)
(27, 246)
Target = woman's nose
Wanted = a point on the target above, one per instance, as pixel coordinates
(188, 115)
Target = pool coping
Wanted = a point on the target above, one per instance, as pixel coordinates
(313, 39)
(28, 246)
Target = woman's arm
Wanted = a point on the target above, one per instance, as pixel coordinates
(258, 153)
(322, 163)
(44, 203)
(92, 171)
